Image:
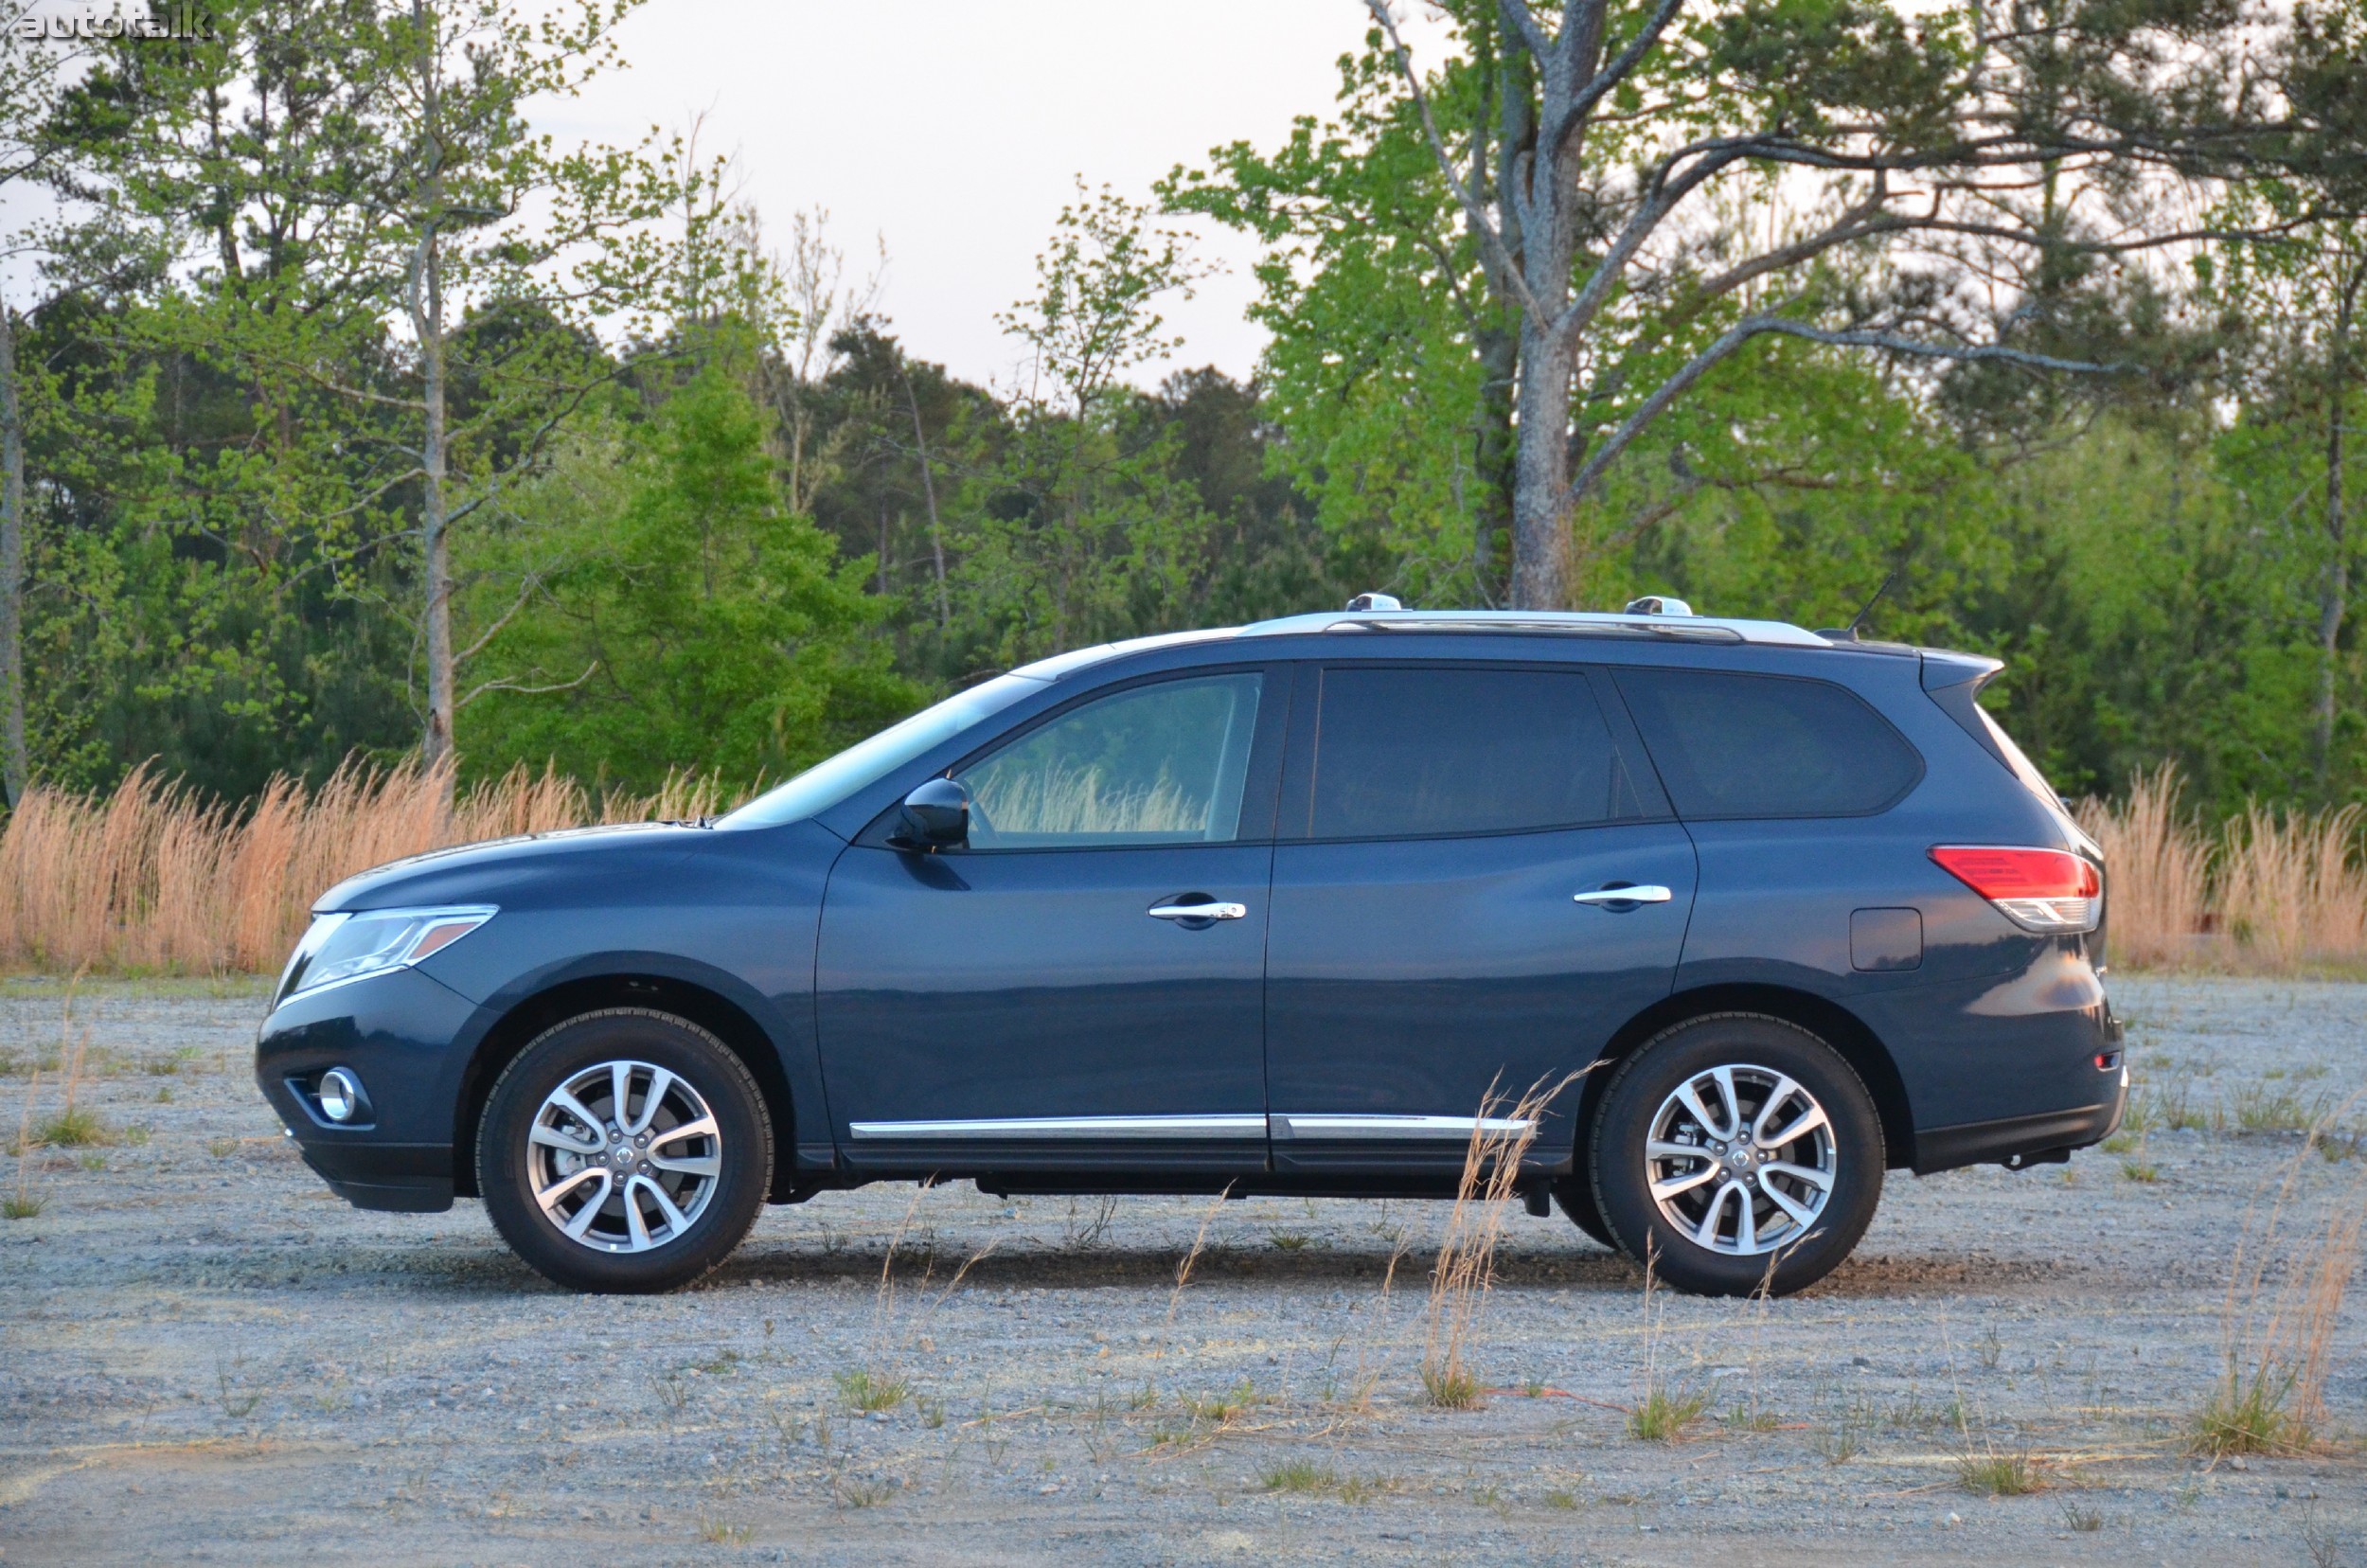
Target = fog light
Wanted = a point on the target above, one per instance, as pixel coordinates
(339, 1094)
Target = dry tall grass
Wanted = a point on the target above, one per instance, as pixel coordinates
(2158, 867)
(150, 878)
(1466, 1269)
(2270, 891)
(2284, 1303)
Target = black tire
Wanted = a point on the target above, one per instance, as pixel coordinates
(1575, 1194)
(1688, 1053)
(714, 1223)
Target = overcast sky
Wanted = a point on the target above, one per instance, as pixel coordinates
(954, 130)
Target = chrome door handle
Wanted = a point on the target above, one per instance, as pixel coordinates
(1198, 912)
(1647, 894)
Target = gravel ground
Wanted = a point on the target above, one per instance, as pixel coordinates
(205, 1356)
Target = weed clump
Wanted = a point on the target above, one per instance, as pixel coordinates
(1306, 1478)
(1993, 1475)
(1301, 1475)
(1664, 1415)
(865, 1391)
(76, 1127)
(1218, 1408)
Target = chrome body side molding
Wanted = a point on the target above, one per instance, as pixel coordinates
(1067, 1128)
(1294, 1124)
(1426, 1129)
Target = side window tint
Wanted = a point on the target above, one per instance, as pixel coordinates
(1155, 764)
(1767, 745)
(1420, 753)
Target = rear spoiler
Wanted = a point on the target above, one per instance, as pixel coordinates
(1954, 681)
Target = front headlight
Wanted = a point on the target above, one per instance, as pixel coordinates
(347, 947)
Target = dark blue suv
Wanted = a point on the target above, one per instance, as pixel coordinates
(1295, 908)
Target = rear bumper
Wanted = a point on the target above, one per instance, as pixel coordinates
(2021, 1140)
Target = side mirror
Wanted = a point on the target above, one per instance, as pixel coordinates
(937, 816)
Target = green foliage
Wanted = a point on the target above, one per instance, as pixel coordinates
(707, 512)
(1387, 364)
(679, 615)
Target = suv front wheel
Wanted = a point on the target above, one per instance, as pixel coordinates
(625, 1150)
(1738, 1153)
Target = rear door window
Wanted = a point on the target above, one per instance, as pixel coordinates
(1431, 752)
(1734, 745)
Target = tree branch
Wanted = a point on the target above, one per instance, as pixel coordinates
(506, 684)
(1515, 15)
(1751, 327)
(1477, 214)
(1612, 75)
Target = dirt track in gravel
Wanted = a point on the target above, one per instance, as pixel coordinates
(206, 1357)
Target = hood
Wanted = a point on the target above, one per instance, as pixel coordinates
(499, 870)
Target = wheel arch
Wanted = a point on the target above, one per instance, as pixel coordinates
(528, 1019)
(1821, 1016)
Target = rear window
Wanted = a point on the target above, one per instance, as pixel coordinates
(1732, 745)
(1420, 753)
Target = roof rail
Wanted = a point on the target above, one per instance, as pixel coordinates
(1673, 628)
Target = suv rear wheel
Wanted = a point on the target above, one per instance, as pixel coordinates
(624, 1151)
(1738, 1152)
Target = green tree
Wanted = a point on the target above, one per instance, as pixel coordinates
(1641, 192)
(697, 622)
(31, 154)
(1079, 530)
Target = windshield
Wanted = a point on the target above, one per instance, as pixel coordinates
(826, 784)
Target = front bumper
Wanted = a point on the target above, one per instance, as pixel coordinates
(401, 1178)
(401, 1035)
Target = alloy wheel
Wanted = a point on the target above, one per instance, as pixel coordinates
(1740, 1160)
(624, 1156)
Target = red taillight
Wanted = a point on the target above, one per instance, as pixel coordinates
(2043, 890)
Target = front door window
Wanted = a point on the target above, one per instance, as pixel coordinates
(1157, 764)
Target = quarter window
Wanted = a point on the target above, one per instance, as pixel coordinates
(1424, 753)
(1729, 745)
(1154, 764)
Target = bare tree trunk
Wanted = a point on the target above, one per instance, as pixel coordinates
(427, 323)
(436, 744)
(2333, 594)
(1496, 443)
(1493, 457)
(1540, 543)
(14, 768)
(1539, 186)
(929, 492)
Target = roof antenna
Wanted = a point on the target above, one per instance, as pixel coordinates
(1849, 632)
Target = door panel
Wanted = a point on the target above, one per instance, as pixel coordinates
(994, 988)
(1083, 984)
(1428, 948)
(1407, 979)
